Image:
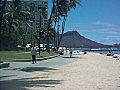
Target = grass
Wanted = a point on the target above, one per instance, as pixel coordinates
(10, 55)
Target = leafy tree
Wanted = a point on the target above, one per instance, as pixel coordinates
(14, 15)
(43, 35)
(59, 12)
(2, 10)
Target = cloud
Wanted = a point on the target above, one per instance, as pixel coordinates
(111, 31)
(104, 24)
(97, 27)
(106, 33)
(111, 39)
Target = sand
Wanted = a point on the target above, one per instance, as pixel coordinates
(90, 72)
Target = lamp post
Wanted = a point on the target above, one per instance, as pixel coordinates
(32, 5)
(31, 32)
(58, 36)
(39, 33)
(30, 25)
(40, 20)
(54, 37)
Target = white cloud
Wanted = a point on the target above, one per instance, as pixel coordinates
(112, 33)
(97, 26)
(104, 24)
(112, 29)
(111, 39)
(108, 33)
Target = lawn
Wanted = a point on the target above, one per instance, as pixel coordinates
(10, 55)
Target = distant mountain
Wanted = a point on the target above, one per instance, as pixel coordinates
(116, 45)
(75, 40)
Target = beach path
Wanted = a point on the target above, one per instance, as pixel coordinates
(89, 72)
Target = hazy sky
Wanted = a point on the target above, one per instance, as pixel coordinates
(98, 20)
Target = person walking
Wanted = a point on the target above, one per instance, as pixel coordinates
(70, 50)
(33, 53)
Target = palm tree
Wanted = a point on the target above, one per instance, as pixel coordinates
(62, 7)
(49, 24)
(9, 21)
(73, 3)
(59, 11)
(13, 17)
(10, 25)
(67, 6)
(2, 10)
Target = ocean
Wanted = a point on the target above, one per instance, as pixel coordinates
(98, 51)
(105, 52)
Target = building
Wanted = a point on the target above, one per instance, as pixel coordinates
(38, 17)
(38, 10)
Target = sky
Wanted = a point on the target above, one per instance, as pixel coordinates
(98, 20)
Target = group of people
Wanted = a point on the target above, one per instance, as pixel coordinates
(111, 54)
(34, 53)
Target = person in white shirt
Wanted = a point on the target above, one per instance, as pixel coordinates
(33, 53)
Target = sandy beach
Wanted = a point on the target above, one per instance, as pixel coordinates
(90, 72)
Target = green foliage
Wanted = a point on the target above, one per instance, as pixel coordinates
(45, 54)
(43, 35)
(11, 32)
(11, 55)
(14, 55)
(59, 13)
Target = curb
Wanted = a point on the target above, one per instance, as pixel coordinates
(37, 59)
(4, 65)
(45, 58)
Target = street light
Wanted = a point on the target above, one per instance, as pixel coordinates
(58, 36)
(30, 25)
(41, 9)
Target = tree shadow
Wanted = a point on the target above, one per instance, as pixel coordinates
(32, 69)
(71, 57)
(78, 54)
(7, 76)
(12, 69)
(23, 84)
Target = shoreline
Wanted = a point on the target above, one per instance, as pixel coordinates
(89, 72)
(105, 54)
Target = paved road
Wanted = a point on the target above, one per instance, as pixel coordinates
(19, 70)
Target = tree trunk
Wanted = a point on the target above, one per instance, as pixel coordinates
(54, 36)
(63, 27)
(2, 10)
(48, 27)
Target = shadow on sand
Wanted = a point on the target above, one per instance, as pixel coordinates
(21, 84)
(71, 57)
(7, 76)
(32, 69)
